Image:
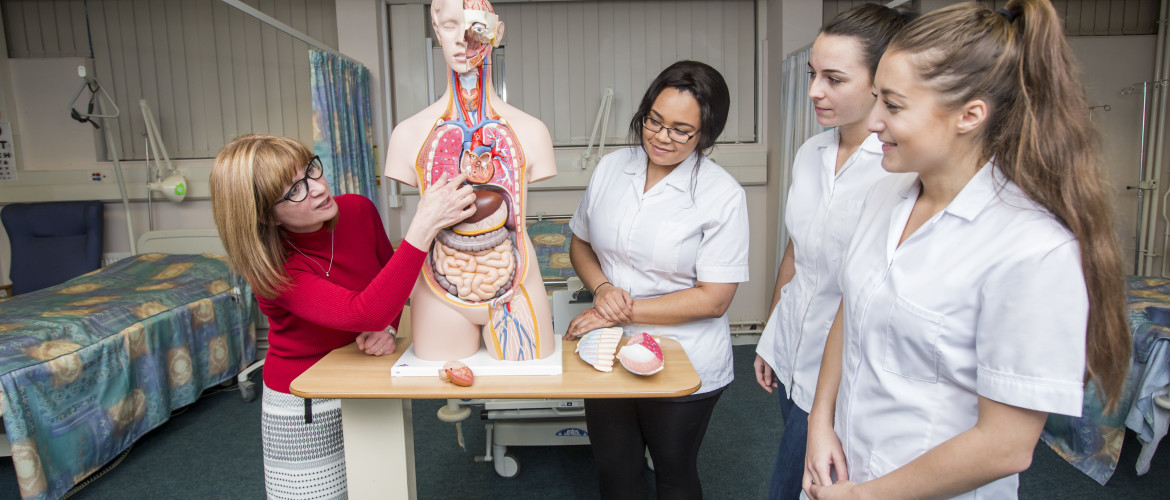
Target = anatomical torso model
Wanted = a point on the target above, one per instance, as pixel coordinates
(481, 279)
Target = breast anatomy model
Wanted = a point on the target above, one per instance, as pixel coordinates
(481, 278)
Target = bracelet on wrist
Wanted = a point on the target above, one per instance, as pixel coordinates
(598, 287)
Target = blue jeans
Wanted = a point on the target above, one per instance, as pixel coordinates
(789, 468)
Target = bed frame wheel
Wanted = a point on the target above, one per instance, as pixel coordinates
(248, 391)
(509, 467)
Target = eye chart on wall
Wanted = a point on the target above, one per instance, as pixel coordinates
(7, 156)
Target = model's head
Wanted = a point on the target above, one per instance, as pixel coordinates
(261, 185)
(684, 110)
(467, 30)
(1004, 85)
(844, 58)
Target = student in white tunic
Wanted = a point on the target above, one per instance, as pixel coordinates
(661, 239)
(974, 289)
(831, 174)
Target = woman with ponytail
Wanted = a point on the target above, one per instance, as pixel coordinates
(982, 293)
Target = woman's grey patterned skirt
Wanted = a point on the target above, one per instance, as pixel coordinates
(302, 460)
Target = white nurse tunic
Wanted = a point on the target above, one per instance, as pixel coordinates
(666, 239)
(821, 214)
(987, 298)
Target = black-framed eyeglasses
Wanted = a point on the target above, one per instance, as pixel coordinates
(300, 189)
(674, 134)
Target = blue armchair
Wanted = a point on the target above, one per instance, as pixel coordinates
(52, 242)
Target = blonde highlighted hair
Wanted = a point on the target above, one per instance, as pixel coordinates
(1018, 61)
(248, 177)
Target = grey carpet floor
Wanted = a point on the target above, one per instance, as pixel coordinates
(211, 450)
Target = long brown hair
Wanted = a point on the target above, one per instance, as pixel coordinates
(873, 26)
(248, 177)
(1018, 61)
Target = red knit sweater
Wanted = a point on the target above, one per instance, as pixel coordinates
(365, 291)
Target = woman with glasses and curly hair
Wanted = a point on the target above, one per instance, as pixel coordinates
(661, 239)
(325, 275)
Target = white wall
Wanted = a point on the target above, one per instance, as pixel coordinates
(1111, 64)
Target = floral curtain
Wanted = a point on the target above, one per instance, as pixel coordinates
(343, 130)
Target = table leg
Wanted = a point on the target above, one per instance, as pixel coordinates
(379, 448)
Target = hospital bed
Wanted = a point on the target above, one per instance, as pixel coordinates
(1092, 442)
(89, 366)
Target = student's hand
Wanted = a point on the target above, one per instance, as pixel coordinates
(586, 322)
(613, 303)
(376, 343)
(823, 456)
(445, 203)
(764, 375)
(838, 490)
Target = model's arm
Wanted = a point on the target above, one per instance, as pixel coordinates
(1000, 444)
(823, 454)
(405, 142)
(538, 150)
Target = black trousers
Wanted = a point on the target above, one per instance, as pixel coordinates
(671, 428)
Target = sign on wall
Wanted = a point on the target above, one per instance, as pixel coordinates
(7, 153)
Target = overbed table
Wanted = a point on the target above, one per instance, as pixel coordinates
(376, 411)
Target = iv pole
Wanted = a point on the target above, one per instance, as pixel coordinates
(92, 83)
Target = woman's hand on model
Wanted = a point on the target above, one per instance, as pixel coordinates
(445, 203)
(823, 456)
(586, 322)
(613, 303)
(376, 343)
(764, 375)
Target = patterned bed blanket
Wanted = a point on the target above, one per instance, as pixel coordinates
(1092, 442)
(89, 366)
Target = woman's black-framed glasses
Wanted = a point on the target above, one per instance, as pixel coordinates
(674, 134)
(300, 189)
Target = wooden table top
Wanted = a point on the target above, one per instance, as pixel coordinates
(349, 373)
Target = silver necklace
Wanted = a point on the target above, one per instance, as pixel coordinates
(331, 239)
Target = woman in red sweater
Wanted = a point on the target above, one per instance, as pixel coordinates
(326, 275)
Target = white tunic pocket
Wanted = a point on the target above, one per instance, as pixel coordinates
(666, 247)
(878, 466)
(912, 341)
